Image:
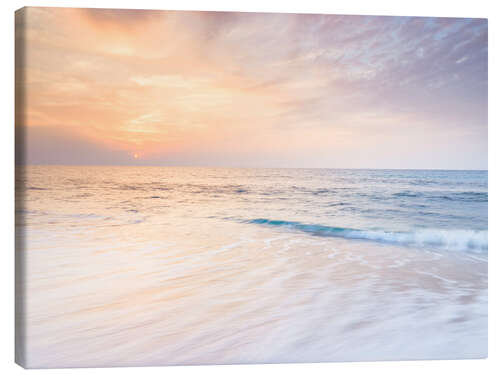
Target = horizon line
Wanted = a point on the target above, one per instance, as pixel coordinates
(245, 167)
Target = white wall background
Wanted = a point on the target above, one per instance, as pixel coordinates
(474, 8)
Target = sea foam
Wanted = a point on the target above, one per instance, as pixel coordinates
(455, 239)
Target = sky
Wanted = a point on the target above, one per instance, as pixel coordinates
(130, 87)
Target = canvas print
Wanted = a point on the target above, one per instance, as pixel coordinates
(225, 188)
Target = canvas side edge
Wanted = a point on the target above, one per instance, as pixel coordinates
(20, 323)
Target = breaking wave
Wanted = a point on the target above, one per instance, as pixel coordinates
(456, 239)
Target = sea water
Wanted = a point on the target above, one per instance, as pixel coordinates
(174, 265)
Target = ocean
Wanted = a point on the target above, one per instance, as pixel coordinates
(129, 266)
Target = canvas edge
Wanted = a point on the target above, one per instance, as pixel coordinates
(19, 95)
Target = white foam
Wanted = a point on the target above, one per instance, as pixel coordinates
(447, 239)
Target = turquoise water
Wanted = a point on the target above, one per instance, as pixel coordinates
(171, 265)
(444, 209)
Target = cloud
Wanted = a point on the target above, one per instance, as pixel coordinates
(283, 86)
(56, 145)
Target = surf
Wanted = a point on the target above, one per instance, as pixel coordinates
(455, 239)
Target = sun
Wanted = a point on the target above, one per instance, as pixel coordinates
(136, 155)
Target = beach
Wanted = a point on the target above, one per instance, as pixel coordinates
(129, 266)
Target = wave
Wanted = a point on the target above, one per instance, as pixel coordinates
(464, 196)
(408, 194)
(456, 239)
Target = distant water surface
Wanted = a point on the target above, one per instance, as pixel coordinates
(174, 265)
